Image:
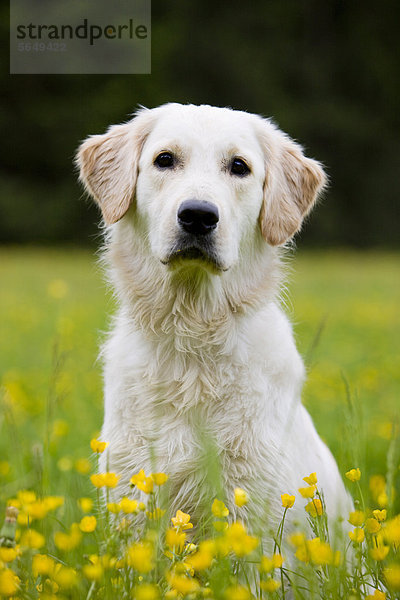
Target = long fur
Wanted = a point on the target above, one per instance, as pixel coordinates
(195, 348)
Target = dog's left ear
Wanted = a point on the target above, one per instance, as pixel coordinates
(292, 185)
(108, 165)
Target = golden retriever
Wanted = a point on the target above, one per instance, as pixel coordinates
(197, 202)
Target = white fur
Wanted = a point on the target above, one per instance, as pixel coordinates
(199, 344)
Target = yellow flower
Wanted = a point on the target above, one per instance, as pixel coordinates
(315, 508)
(7, 554)
(25, 497)
(270, 585)
(60, 428)
(35, 510)
(104, 480)
(240, 542)
(237, 592)
(32, 539)
(65, 463)
(174, 539)
(383, 500)
(380, 552)
(9, 583)
(146, 591)
(311, 479)
(302, 553)
(156, 514)
(140, 476)
(68, 541)
(93, 572)
(241, 497)
(202, 559)
(23, 519)
(53, 502)
(105, 560)
(140, 556)
(287, 500)
(86, 504)
(220, 526)
(42, 565)
(357, 518)
(159, 478)
(128, 506)
(377, 486)
(372, 525)
(297, 539)
(277, 561)
(97, 480)
(317, 552)
(83, 466)
(48, 590)
(181, 521)
(98, 446)
(143, 483)
(392, 576)
(219, 509)
(357, 535)
(269, 564)
(320, 552)
(88, 524)
(391, 531)
(354, 475)
(377, 595)
(380, 515)
(111, 480)
(307, 492)
(66, 577)
(183, 584)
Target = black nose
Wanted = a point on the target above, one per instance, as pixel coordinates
(198, 216)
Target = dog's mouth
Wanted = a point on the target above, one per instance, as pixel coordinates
(185, 254)
(190, 254)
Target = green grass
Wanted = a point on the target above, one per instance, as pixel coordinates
(55, 309)
(354, 298)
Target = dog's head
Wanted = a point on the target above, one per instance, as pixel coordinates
(203, 181)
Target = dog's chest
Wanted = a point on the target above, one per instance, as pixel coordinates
(172, 408)
(165, 409)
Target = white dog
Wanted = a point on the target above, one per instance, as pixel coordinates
(197, 201)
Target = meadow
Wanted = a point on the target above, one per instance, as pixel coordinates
(55, 310)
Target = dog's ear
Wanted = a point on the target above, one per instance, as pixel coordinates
(108, 165)
(291, 187)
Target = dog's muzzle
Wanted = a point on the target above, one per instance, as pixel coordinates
(197, 220)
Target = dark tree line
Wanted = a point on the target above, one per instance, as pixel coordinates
(326, 70)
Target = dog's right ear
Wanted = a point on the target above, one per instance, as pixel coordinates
(108, 165)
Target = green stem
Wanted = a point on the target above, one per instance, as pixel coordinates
(91, 590)
(361, 496)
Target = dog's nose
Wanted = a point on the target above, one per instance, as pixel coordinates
(198, 216)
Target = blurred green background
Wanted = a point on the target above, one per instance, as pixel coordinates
(327, 71)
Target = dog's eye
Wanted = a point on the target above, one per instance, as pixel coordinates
(239, 167)
(164, 160)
